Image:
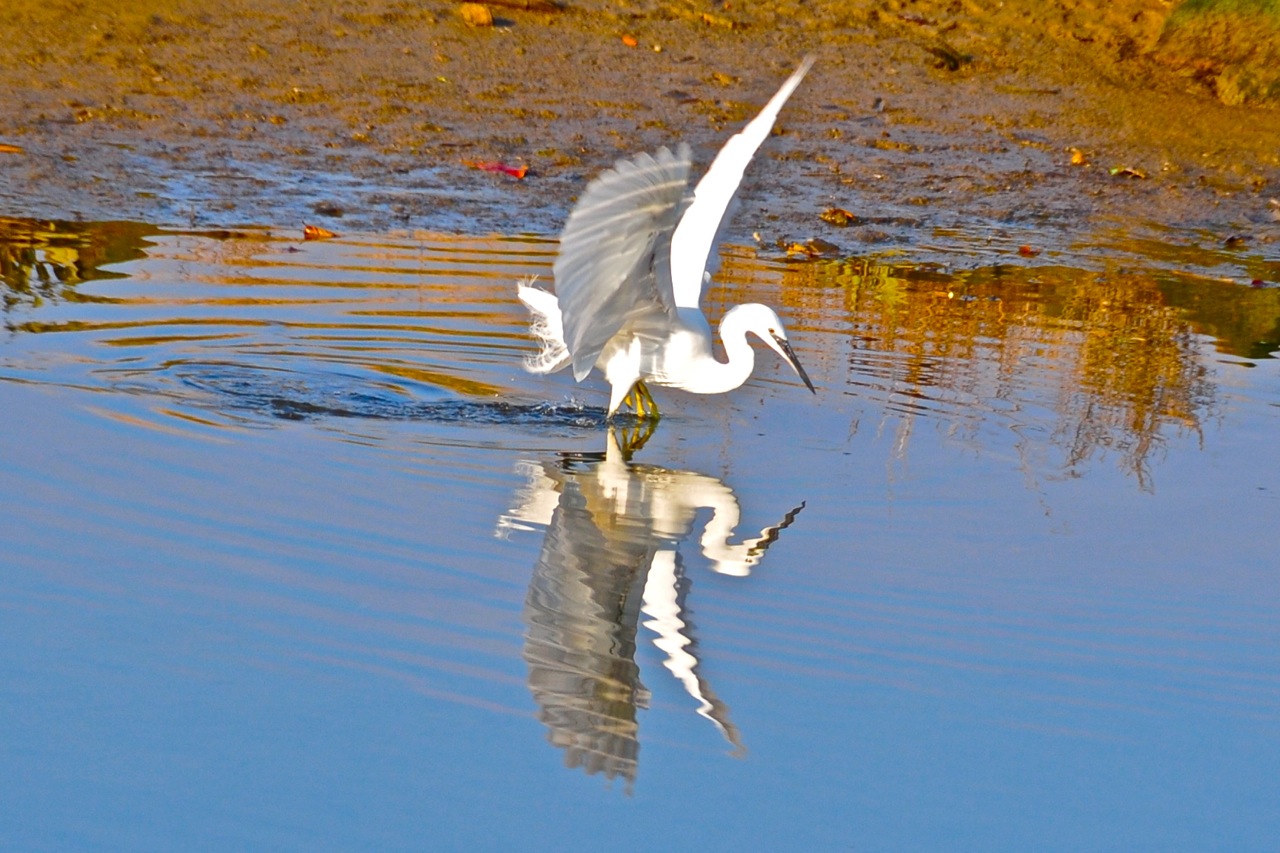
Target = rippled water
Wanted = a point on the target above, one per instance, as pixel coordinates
(295, 556)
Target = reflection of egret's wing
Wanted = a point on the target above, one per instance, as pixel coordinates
(582, 613)
(534, 504)
(663, 603)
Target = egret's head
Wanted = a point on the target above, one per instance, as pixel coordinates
(762, 321)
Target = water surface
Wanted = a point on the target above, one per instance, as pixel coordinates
(296, 556)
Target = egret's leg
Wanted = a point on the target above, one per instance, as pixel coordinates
(640, 401)
(648, 408)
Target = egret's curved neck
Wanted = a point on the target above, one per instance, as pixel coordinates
(716, 377)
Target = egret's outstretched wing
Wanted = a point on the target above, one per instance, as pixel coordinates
(695, 236)
(615, 250)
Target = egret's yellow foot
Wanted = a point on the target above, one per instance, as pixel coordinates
(640, 401)
(647, 409)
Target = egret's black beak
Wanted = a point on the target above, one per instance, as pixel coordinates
(795, 362)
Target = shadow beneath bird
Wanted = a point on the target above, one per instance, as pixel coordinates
(277, 394)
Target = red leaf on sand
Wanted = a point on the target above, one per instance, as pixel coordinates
(517, 172)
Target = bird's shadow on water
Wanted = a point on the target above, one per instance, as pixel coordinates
(286, 395)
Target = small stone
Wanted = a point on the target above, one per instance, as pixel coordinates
(476, 15)
(327, 208)
(838, 217)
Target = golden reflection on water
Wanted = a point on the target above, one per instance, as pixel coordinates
(1078, 363)
(414, 311)
(46, 260)
(1115, 357)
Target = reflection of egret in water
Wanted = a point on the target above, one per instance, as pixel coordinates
(610, 558)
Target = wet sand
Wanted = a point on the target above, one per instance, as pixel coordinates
(936, 124)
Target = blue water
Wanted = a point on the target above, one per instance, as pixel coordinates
(295, 556)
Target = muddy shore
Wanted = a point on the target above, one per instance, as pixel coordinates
(937, 124)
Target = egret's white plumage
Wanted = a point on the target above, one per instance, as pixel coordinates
(634, 258)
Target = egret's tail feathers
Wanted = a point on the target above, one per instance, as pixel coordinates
(547, 326)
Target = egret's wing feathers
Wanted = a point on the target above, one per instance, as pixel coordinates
(615, 253)
(695, 236)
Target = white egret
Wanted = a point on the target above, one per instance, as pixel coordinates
(634, 257)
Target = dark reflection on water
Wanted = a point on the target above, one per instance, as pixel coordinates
(611, 558)
(314, 396)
